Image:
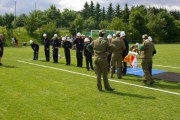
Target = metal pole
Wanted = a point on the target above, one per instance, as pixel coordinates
(15, 12)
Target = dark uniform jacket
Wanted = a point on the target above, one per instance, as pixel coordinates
(56, 43)
(35, 46)
(126, 51)
(86, 52)
(79, 44)
(46, 43)
(1, 46)
(67, 45)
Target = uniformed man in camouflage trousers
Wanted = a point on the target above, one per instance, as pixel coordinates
(117, 55)
(147, 52)
(101, 49)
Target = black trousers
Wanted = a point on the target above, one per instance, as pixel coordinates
(35, 55)
(67, 56)
(109, 61)
(55, 55)
(1, 53)
(47, 53)
(124, 68)
(79, 56)
(89, 62)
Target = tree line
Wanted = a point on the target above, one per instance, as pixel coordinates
(161, 24)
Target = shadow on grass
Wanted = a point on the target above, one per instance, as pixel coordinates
(130, 95)
(157, 84)
(9, 66)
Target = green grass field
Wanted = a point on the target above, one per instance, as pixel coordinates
(31, 92)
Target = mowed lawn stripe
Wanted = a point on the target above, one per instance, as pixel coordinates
(165, 91)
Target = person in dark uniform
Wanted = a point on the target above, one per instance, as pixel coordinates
(35, 48)
(79, 42)
(125, 52)
(109, 37)
(46, 47)
(101, 49)
(1, 48)
(55, 44)
(67, 45)
(88, 55)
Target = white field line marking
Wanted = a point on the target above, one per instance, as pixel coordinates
(165, 91)
(165, 66)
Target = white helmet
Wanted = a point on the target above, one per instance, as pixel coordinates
(31, 41)
(55, 35)
(122, 34)
(44, 35)
(86, 40)
(78, 34)
(63, 38)
(137, 44)
(109, 37)
(114, 35)
(150, 38)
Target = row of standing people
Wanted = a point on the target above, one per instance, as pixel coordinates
(119, 48)
(79, 42)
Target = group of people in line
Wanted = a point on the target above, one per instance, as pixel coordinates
(118, 48)
(109, 53)
(79, 43)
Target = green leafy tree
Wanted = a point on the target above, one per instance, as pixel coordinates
(86, 11)
(50, 29)
(68, 17)
(77, 25)
(31, 24)
(20, 20)
(137, 22)
(9, 18)
(54, 14)
(91, 9)
(117, 11)
(103, 14)
(90, 24)
(110, 12)
(125, 14)
(115, 24)
(103, 24)
(2, 20)
(97, 14)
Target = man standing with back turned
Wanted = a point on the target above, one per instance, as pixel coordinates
(101, 49)
(117, 55)
(148, 49)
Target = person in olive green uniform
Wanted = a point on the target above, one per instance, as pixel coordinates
(117, 55)
(101, 49)
(147, 52)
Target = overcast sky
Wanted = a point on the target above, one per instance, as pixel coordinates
(26, 6)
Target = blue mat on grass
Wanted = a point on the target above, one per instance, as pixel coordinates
(139, 71)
